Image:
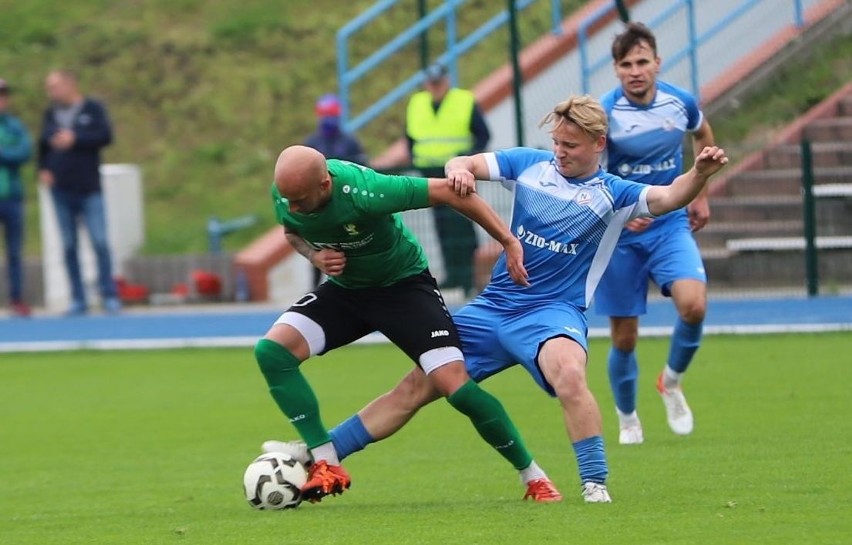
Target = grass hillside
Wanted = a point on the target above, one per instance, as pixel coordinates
(204, 93)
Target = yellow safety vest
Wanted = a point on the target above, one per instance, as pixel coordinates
(442, 135)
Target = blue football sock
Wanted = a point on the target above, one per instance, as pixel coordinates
(350, 436)
(685, 341)
(591, 459)
(623, 371)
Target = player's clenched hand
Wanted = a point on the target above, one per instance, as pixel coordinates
(710, 160)
(699, 213)
(639, 224)
(462, 181)
(329, 261)
(515, 262)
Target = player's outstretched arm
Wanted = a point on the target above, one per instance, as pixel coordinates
(684, 188)
(472, 206)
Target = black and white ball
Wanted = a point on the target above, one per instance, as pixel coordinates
(274, 481)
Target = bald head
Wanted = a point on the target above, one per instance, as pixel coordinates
(301, 176)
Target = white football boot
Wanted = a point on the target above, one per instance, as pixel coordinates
(297, 449)
(629, 429)
(678, 412)
(595, 493)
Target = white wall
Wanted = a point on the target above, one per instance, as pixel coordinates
(122, 188)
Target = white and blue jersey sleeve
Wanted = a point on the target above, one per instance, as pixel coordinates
(568, 227)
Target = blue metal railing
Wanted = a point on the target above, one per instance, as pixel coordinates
(347, 76)
(590, 68)
(694, 40)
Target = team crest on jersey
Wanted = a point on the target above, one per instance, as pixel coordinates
(351, 229)
(584, 197)
(668, 124)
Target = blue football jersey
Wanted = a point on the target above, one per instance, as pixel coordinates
(568, 227)
(645, 142)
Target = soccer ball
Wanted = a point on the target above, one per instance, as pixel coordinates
(274, 481)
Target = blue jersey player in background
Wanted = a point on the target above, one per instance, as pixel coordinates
(648, 119)
(568, 214)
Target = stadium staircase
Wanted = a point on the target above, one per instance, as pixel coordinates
(755, 237)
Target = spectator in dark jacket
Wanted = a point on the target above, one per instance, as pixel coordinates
(74, 130)
(329, 138)
(15, 150)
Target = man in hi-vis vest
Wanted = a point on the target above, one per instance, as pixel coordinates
(443, 122)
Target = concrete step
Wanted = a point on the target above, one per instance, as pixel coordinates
(787, 244)
(754, 209)
(776, 269)
(830, 130)
(716, 234)
(823, 154)
(781, 181)
(844, 107)
(833, 214)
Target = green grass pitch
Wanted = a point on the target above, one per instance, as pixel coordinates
(148, 447)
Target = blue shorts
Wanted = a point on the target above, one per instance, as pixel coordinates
(494, 339)
(662, 257)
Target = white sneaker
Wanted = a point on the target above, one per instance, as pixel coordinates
(296, 449)
(631, 435)
(595, 493)
(678, 412)
(629, 428)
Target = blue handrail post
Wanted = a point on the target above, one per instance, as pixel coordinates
(693, 49)
(582, 40)
(424, 37)
(799, 13)
(218, 229)
(451, 43)
(556, 16)
(342, 86)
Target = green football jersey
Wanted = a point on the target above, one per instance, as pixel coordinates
(361, 219)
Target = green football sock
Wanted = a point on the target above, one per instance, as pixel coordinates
(291, 391)
(491, 421)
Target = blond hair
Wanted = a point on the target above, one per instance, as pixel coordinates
(583, 111)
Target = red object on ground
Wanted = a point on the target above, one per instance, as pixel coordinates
(131, 293)
(206, 283)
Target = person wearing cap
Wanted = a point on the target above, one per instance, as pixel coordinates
(15, 150)
(442, 122)
(329, 138)
(332, 141)
(74, 130)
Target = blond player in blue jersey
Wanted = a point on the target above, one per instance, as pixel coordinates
(648, 120)
(343, 218)
(568, 214)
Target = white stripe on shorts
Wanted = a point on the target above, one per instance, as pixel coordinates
(310, 330)
(439, 357)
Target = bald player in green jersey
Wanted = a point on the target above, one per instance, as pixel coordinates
(344, 218)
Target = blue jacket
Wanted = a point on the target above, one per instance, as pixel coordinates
(77, 170)
(337, 146)
(15, 150)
